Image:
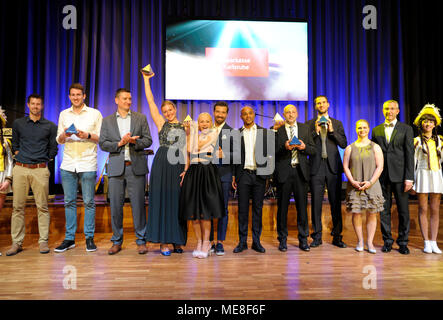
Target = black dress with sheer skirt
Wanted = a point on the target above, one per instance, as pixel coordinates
(201, 196)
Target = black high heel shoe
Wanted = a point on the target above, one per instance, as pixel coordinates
(177, 249)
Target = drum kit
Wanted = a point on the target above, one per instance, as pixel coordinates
(271, 189)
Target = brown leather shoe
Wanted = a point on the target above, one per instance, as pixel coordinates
(141, 248)
(44, 247)
(114, 249)
(15, 248)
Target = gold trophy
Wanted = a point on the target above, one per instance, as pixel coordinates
(147, 70)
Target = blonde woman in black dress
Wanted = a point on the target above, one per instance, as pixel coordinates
(201, 197)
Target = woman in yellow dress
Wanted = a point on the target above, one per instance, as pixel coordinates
(6, 163)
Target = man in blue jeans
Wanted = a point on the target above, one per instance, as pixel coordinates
(224, 165)
(79, 164)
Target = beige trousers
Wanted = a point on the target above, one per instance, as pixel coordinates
(38, 180)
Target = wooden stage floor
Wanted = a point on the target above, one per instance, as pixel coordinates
(326, 272)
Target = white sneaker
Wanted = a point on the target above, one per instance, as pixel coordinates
(434, 247)
(427, 248)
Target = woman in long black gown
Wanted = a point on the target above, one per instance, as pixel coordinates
(163, 224)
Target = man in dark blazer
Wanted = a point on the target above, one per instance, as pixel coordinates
(249, 179)
(292, 175)
(326, 169)
(223, 161)
(396, 139)
(125, 134)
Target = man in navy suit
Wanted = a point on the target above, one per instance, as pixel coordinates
(125, 134)
(224, 163)
(256, 165)
(396, 139)
(326, 169)
(292, 173)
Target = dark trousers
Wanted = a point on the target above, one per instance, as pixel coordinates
(333, 182)
(222, 224)
(401, 198)
(294, 184)
(250, 186)
(136, 192)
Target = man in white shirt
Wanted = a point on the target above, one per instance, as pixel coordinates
(79, 163)
(250, 180)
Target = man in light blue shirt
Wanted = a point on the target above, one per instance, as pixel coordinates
(125, 134)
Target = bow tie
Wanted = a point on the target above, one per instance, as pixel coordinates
(389, 125)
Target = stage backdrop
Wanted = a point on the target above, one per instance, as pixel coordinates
(357, 69)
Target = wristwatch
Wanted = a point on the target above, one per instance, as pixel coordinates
(89, 136)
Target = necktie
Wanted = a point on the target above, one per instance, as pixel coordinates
(323, 133)
(294, 151)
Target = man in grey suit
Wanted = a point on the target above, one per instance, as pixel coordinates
(125, 134)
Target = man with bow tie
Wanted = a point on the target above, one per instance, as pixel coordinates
(396, 140)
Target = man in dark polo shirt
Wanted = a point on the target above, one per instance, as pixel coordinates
(34, 145)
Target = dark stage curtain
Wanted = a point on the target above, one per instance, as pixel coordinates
(423, 54)
(357, 69)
